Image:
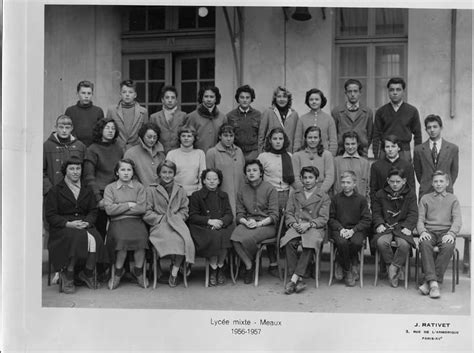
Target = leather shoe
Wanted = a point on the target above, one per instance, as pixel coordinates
(212, 277)
(424, 288)
(173, 281)
(349, 279)
(393, 275)
(67, 285)
(290, 287)
(221, 279)
(338, 275)
(300, 286)
(273, 270)
(89, 281)
(434, 292)
(248, 276)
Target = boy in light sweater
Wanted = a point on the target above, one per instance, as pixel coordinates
(439, 222)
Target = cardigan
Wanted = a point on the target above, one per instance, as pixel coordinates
(128, 137)
(189, 166)
(273, 170)
(246, 125)
(117, 196)
(293, 127)
(439, 212)
(99, 165)
(84, 118)
(169, 130)
(146, 161)
(324, 163)
(328, 129)
(257, 202)
(402, 123)
(207, 128)
(362, 123)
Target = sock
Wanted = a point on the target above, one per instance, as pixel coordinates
(220, 265)
(213, 266)
(273, 264)
(174, 271)
(119, 271)
(88, 272)
(295, 278)
(137, 271)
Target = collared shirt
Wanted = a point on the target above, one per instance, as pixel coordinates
(352, 107)
(396, 106)
(347, 155)
(440, 194)
(122, 184)
(244, 111)
(438, 144)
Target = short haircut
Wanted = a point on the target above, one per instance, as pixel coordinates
(188, 129)
(214, 89)
(440, 173)
(168, 89)
(310, 169)
(168, 164)
(226, 128)
(320, 147)
(398, 172)
(85, 84)
(349, 174)
(396, 81)
(316, 91)
(287, 93)
(64, 117)
(215, 170)
(71, 160)
(433, 118)
(391, 138)
(352, 81)
(276, 130)
(254, 161)
(246, 89)
(99, 129)
(123, 160)
(149, 126)
(129, 84)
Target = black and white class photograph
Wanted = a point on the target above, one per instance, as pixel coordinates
(250, 167)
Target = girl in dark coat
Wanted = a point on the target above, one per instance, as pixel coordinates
(210, 223)
(395, 213)
(71, 211)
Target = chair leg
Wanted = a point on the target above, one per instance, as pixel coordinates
(361, 267)
(155, 268)
(417, 254)
(145, 280)
(331, 263)
(376, 267)
(206, 280)
(112, 275)
(316, 269)
(230, 259)
(185, 275)
(257, 265)
(49, 271)
(457, 266)
(407, 271)
(95, 277)
(285, 273)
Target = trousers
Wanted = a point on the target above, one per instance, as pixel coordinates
(295, 265)
(347, 249)
(434, 269)
(389, 257)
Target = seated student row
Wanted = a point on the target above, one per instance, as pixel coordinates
(395, 213)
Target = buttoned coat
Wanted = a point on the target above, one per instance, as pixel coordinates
(127, 139)
(207, 127)
(61, 207)
(314, 209)
(448, 161)
(166, 214)
(169, 129)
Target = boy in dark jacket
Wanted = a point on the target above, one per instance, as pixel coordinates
(349, 222)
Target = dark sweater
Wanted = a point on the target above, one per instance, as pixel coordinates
(84, 118)
(379, 172)
(99, 165)
(349, 212)
(246, 128)
(402, 123)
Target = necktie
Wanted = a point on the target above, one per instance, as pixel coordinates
(434, 154)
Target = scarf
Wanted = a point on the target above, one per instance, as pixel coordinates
(74, 187)
(127, 105)
(287, 167)
(283, 112)
(204, 112)
(168, 187)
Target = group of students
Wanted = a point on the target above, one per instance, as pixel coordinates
(201, 183)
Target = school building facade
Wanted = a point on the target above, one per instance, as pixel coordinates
(266, 47)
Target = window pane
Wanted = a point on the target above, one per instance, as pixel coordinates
(206, 68)
(352, 22)
(189, 69)
(156, 18)
(390, 21)
(389, 61)
(187, 17)
(156, 69)
(152, 108)
(206, 83)
(188, 92)
(154, 92)
(353, 61)
(137, 69)
(381, 95)
(209, 21)
(141, 97)
(136, 21)
(188, 108)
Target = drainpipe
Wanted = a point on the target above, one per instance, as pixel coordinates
(285, 16)
(452, 101)
(233, 39)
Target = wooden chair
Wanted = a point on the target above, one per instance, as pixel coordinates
(455, 271)
(332, 262)
(394, 245)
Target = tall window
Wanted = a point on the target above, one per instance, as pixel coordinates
(371, 46)
(168, 45)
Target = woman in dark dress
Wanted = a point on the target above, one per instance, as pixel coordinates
(210, 223)
(71, 211)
